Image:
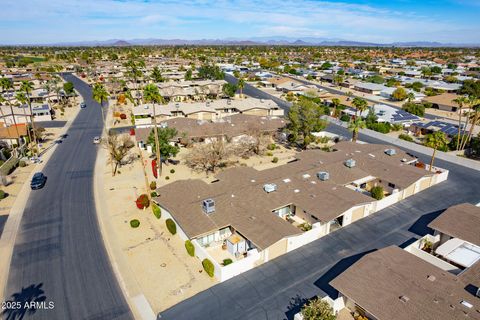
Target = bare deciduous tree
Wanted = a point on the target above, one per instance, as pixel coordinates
(209, 156)
(118, 147)
(255, 142)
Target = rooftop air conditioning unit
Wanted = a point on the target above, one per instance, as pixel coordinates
(208, 206)
(322, 175)
(269, 187)
(350, 163)
(391, 152)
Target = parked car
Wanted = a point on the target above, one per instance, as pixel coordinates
(83, 105)
(97, 140)
(38, 181)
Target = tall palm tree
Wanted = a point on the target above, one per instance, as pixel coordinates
(360, 105)
(354, 126)
(336, 103)
(474, 119)
(436, 140)
(241, 85)
(151, 94)
(100, 95)
(460, 101)
(134, 72)
(20, 97)
(27, 87)
(6, 85)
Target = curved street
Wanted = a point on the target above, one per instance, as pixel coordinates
(59, 256)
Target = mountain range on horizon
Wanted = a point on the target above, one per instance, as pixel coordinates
(279, 40)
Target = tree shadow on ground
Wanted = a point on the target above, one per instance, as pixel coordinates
(295, 305)
(17, 306)
(420, 228)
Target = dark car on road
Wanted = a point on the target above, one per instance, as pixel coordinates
(38, 181)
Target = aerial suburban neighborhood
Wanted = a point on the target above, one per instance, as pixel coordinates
(307, 160)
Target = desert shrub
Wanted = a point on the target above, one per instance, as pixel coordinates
(269, 154)
(123, 116)
(405, 137)
(157, 212)
(317, 309)
(272, 146)
(142, 201)
(171, 226)
(172, 171)
(2, 194)
(22, 164)
(382, 127)
(227, 261)
(153, 194)
(377, 192)
(134, 223)
(167, 178)
(153, 185)
(9, 166)
(208, 267)
(190, 248)
(275, 160)
(396, 127)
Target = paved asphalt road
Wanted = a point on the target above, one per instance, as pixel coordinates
(59, 248)
(277, 289)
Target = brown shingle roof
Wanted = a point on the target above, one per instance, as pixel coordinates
(461, 221)
(242, 203)
(394, 284)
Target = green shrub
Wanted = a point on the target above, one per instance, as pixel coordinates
(157, 212)
(172, 171)
(9, 166)
(208, 267)
(345, 118)
(134, 223)
(275, 160)
(153, 185)
(22, 164)
(171, 226)
(167, 178)
(405, 137)
(2, 194)
(269, 154)
(190, 248)
(153, 194)
(272, 146)
(396, 127)
(382, 127)
(377, 192)
(226, 262)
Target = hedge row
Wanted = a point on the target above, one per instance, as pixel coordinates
(9, 166)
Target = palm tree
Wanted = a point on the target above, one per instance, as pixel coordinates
(460, 101)
(474, 118)
(27, 88)
(436, 140)
(6, 84)
(100, 95)
(336, 103)
(360, 105)
(151, 94)
(20, 96)
(156, 75)
(354, 126)
(241, 85)
(134, 73)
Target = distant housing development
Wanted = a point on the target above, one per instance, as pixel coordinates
(253, 216)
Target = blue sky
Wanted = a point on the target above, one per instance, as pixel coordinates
(47, 21)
